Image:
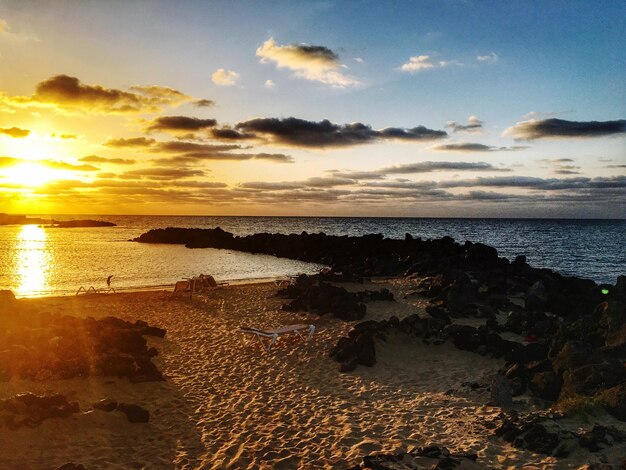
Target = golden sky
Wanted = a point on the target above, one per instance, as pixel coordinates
(117, 108)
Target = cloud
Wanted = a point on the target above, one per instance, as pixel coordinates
(566, 172)
(490, 58)
(64, 136)
(560, 128)
(546, 184)
(473, 147)
(188, 152)
(64, 92)
(15, 132)
(97, 159)
(269, 84)
(616, 166)
(131, 142)
(176, 146)
(53, 164)
(58, 165)
(314, 182)
(180, 123)
(203, 103)
(415, 168)
(162, 173)
(419, 63)
(555, 160)
(223, 77)
(190, 157)
(426, 167)
(473, 126)
(316, 63)
(6, 32)
(227, 133)
(301, 133)
(68, 92)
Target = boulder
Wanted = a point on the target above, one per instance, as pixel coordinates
(614, 400)
(461, 293)
(536, 297)
(500, 392)
(546, 385)
(572, 355)
(134, 413)
(106, 404)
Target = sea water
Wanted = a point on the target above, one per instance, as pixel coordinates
(37, 260)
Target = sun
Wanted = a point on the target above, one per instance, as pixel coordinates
(29, 174)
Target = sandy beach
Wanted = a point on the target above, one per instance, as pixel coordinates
(226, 404)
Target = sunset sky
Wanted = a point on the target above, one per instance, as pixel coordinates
(421, 108)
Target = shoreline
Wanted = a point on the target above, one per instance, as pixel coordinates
(156, 288)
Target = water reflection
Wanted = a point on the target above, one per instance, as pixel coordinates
(33, 259)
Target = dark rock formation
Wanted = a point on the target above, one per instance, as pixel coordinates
(41, 346)
(134, 413)
(544, 434)
(313, 295)
(27, 409)
(432, 457)
(106, 404)
(81, 223)
(575, 330)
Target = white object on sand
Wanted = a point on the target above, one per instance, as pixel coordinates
(273, 334)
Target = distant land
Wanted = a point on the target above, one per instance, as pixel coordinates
(12, 219)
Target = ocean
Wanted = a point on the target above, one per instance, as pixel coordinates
(40, 261)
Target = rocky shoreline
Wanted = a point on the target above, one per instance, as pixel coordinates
(569, 350)
(11, 219)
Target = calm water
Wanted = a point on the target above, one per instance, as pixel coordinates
(46, 261)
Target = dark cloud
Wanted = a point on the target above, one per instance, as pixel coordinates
(556, 160)
(190, 157)
(231, 134)
(15, 132)
(175, 146)
(68, 92)
(132, 142)
(301, 133)
(560, 128)
(162, 173)
(426, 167)
(566, 172)
(616, 166)
(314, 182)
(486, 196)
(204, 103)
(97, 159)
(546, 184)
(359, 175)
(180, 123)
(473, 147)
(414, 168)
